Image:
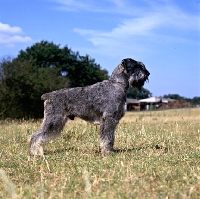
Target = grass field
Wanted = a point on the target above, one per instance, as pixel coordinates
(158, 157)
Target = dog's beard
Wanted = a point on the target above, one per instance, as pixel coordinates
(136, 83)
(138, 79)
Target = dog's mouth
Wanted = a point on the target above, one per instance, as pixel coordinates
(137, 80)
(137, 84)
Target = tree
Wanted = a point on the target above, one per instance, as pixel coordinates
(173, 96)
(134, 93)
(194, 100)
(22, 84)
(81, 70)
(39, 69)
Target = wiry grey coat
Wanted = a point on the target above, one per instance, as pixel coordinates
(102, 103)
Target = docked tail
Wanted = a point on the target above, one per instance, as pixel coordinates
(45, 96)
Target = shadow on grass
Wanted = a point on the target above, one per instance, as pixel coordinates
(135, 149)
(98, 151)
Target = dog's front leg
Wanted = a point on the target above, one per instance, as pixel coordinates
(107, 134)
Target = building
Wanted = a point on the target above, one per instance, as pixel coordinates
(132, 105)
(153, 102)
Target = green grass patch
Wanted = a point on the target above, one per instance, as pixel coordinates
(158, 156)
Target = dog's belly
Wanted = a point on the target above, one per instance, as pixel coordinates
(92, 102)
(96, 122)
(94, 114)
(92, 119)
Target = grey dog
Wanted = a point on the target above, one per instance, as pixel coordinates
(101, 103)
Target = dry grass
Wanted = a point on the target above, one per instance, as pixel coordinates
(158, 157)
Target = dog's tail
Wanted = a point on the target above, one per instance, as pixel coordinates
(45, 96)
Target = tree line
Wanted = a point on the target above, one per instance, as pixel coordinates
(45, 67)
(40, 69)
(194, 100)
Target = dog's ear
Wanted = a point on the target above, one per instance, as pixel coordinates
(129, 65)
(124, 62)
(121, 68)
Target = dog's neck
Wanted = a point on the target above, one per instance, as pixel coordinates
(120, 77)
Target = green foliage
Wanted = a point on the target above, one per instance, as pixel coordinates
(22, 84)
(134, 93)
(194, 100)
(81, 70)
(173, 96)
(44, 54)
(38, 70)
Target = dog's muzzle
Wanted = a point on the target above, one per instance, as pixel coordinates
(138, 78)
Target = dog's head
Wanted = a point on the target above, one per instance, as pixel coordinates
(136, 71)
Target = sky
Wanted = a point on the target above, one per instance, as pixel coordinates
(163, 34)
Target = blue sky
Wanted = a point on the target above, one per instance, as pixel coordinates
(163, 34)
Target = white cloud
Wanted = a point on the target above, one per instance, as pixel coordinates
(77, 5)
(118, 3)
(8, 39)
(131, 27)
(141, 27)
(103, 6)
(10, 35)
(163, 21)
(8, 29)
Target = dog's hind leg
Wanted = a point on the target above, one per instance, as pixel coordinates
(53, 123)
